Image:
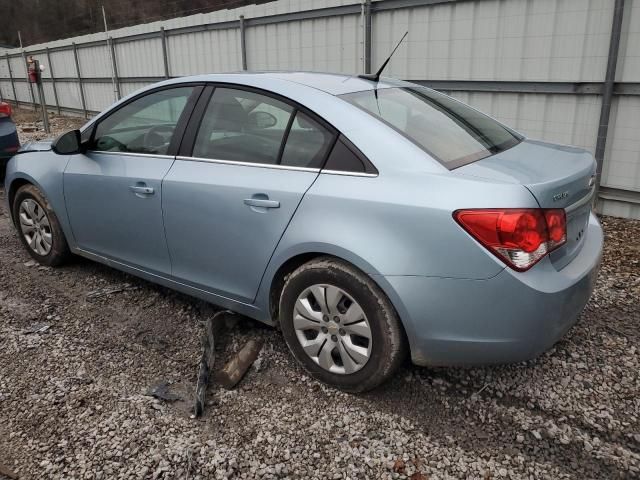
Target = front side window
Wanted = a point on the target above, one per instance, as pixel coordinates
(450, 131)
(145, 125)
(242, 126)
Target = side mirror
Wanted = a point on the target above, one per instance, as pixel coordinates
(67, 143)
(261, 120)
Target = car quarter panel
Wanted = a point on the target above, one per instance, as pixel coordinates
(395, 225)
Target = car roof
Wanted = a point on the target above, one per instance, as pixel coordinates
(332, 83)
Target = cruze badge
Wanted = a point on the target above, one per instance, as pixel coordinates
(560, 196)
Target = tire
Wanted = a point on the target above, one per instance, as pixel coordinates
(50, 248)
(339, 344)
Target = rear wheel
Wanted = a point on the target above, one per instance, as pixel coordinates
(340, 326)
(38, 227)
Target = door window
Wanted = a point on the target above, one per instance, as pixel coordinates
(145, 125)
(242, 126)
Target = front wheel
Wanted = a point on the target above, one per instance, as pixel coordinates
(38, 227)
(340, 326)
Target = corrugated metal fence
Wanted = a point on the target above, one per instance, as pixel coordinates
(541, 66)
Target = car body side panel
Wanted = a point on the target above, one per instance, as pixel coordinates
(217, 241)
(110, 219)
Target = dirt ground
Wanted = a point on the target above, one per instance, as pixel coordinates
(76, 363)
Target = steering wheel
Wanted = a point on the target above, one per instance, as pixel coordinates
(154, 138)
(108, 143)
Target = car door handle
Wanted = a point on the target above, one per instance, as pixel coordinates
(261, 203)
(142, 190)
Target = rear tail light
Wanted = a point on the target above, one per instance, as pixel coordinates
(5, 110)
(519, 237)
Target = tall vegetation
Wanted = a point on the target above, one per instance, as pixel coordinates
(45, 20)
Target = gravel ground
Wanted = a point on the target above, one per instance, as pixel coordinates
(73, 403)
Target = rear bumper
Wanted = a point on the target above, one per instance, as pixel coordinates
(508, 318)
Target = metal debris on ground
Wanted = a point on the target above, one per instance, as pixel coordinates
(235, 369)
(161, 392)
(206, 364)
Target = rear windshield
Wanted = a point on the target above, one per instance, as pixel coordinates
(448, 130)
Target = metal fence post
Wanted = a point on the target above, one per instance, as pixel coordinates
(367, 36)
(165, 54)
(75, 56)
(42, 99)
(607, 91)
(243, 46)
(26, 68)
(13, 85)
(53, 80)
(114, 65)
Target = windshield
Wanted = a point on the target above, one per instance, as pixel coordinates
(448, 130)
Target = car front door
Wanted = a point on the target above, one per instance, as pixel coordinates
(233, 190)
(113, 191)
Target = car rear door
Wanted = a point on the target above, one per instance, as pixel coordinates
(113, 191)
(235, 186)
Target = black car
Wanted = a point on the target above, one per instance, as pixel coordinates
(9, 142)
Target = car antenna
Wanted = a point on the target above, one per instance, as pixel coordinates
(375, 77)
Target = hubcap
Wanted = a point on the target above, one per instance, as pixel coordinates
(35, 227)
(332, 329)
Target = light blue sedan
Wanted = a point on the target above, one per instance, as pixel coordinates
(367, 220)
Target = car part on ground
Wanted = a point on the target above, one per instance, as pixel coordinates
(230, 375)
(205, 366)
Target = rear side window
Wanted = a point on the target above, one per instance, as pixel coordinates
(345, 157)
(242, 126)
(448, 130)
(307, 143)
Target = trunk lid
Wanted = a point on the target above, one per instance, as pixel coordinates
(557, 176)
